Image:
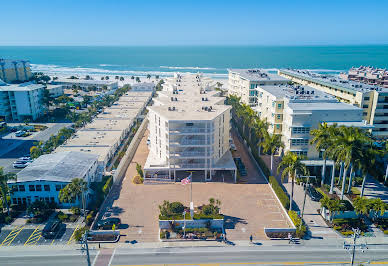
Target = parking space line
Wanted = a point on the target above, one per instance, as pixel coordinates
(34, 237)
(72, 235)
(12, 235)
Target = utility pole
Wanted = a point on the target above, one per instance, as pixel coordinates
(184, 224)
(352, 247)
(85, 247)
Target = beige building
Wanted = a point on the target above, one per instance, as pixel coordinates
(189, 130)
(371, 98)
(15, 70)
(293, 111)
(368, 75)
(244, 82)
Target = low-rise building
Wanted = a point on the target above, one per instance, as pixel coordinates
(55, 90)
(19, 102)
(368, 75)
(15, 70)
(371, 98)
(48, 174)
(293, 111)
(189, 130)
(143, 86)
(243, 83)
(87, 83)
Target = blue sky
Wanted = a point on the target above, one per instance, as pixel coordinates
(193, 22)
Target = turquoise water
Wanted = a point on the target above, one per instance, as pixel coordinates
(208, 59)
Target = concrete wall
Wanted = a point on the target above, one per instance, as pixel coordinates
(214, 224)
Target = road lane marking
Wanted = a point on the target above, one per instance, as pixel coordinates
(72, 235)
(254, 263)
(12, 235)
(34, 237)
(95, 258)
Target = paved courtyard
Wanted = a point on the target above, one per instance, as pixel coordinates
(248, 207)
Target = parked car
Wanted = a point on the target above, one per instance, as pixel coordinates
(148, 141)
(20, 133)
(233, 147)
(313, 194)
(108, 223)
(51, 229)
(19, 164)
(24, 159)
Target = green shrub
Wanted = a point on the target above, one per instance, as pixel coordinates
(78, 234)
(137, 179)
(386, 232)
(75, 210)
(298, 222)
(261, 163)
(337, 227)
(139, 170)
(283, 197)
(89, 218)
(107, 186)
(8, 219)
(62, 216)
(347, 233)
(162, 235)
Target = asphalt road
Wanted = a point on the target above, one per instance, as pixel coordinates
(269, 255)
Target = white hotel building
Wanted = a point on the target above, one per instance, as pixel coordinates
(293, 111)
(188, 130)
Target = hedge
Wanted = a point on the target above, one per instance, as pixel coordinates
(300, 227)
(283, 197)
(107, 186)
(261, 163)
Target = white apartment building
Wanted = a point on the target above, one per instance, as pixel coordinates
(143, 86)
(87, 83)
(55, 90)
(19, 102)
(48, 174)
(188, 130)
(15, 70)
(293, 111)
(371, 98)
(243, 83)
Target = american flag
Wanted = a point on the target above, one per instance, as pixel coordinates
(186, 180)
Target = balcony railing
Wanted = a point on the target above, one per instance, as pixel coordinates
(190, 142)
(191, 130)
(190, 154)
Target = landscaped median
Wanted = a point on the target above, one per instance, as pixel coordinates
(206, 224)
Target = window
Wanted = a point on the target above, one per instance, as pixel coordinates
(46, 187)
(366, 98)
(301, 153)
(277, 126)
(300, 130)
(15, 188)
(365, 106)
(299, 142)
(364, 113)
(189, 124)
(38, 187)
(58, 187)
(22, 188)
(278, 116)
(31, 187)
(279, 106)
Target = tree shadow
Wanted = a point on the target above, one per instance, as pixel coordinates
(230, 221)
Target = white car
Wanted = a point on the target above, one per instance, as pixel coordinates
(233, 147)
(148, 141)
(20, 133)
(19, 164)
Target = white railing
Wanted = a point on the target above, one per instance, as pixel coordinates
(191, 130)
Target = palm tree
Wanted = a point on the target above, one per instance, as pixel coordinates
(260, 128)
(291, 164)
(347, 148)
(148, 76)
(74, 191)
(272, 143)
(323, 138)
(4, 178)
(366, 164)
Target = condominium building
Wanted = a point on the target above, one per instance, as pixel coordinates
(15, 70)
(105, 135)
(293, 111)
(87, 83)
(371, 98)
(55, 90)
(19, 102)
(48, 174)
(243, 83)
(368, 75)
(188, 130)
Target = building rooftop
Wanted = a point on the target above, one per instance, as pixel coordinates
(9, 63)
(332, 81)
(298, 93)
(101, 152)
(61, 167)
(94, 138)
(27, 86)
(86, 81)
(119, 113)
(108, 125)
(310, 106)
(257, 75)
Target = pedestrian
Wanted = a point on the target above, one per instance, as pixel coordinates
(289, 238)
(251, 238)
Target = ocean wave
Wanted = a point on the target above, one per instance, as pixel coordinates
(62, 70)
(189, 68)
(105, 65)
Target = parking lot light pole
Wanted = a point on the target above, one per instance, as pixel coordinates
(86, 247)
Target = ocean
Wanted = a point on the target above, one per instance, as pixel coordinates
(213, 60)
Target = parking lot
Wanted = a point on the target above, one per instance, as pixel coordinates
(30, 235)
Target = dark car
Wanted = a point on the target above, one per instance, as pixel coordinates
(108, 223)
(51, 229)
(313, 194)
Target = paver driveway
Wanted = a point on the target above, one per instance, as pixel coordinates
(248, 207)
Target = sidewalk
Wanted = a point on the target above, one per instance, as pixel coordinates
(316, 224)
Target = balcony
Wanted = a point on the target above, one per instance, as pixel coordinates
(187, 154)
(189, 130)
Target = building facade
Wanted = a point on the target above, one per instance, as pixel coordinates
(189, 129)
(243, 83)
(48, 174)
(15, 70)
(87, 83)
(371, 98)
(293, 111)
(19, 102)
